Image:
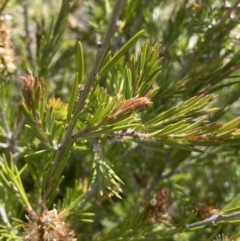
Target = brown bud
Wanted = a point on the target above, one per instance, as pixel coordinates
(130, 106)
(31, 91)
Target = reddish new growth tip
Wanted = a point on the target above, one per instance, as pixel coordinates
(132, 105)
(31, 91)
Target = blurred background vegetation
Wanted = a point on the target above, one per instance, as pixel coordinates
(199, 48)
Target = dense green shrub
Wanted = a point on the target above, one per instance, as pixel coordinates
(119, 120)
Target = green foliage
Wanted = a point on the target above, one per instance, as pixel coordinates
(127, 130)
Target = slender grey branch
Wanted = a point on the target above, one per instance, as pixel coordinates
(100, 55)
(175, 171)
(11, 137)
(214, 219)
(67, 139)
(27, 31)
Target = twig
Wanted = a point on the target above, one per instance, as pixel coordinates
(3, 6)
(227, 15)
(215, 219)
(100, 55)
(67, 139)
(175, 171)
(11, 137)
(27, 31)
(186, 67)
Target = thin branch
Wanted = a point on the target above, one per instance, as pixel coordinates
(214, 219)
(175, 171)
(11, 137)
(100, 55)
(3, 6)
(27, 31)
(67, 139)
(187, 66)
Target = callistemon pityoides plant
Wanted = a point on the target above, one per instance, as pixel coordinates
(48, 226)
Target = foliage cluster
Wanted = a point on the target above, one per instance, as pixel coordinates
(119, 120)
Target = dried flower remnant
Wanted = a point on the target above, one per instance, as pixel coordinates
(6, 47)
(156, 208)
(48, 226)
(222, 237)
(205, 212)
